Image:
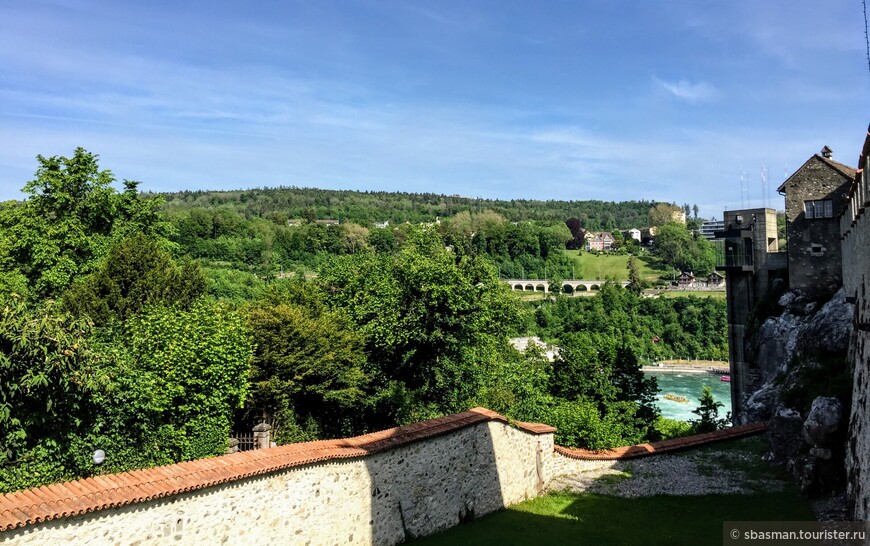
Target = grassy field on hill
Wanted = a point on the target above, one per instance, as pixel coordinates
(603, 266)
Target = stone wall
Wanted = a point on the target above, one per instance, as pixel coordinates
(427, 485)
(381, 488)
(855, 228)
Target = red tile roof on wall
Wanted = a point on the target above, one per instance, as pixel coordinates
(100, 492)
(79, 497)
(665, 446)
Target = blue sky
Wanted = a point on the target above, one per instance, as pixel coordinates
(617, 100)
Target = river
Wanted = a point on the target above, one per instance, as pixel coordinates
(688, 385)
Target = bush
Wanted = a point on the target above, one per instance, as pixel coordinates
(665, 429)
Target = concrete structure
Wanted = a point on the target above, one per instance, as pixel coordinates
(855, 233)
(382, 488)
(751, 261)
(815, 198)
(710, 227)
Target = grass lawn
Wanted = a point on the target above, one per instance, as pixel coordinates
(604, 266)
(590, 518)
(587, 518)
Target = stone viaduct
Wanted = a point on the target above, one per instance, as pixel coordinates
(568, 287)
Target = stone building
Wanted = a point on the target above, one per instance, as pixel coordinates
(815, 197)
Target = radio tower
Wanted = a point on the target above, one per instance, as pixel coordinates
(765, 188)
(744, 188)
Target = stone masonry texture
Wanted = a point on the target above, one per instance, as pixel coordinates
(855, 228)
(414, 480)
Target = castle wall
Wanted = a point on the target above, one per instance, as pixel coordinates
(855, 228)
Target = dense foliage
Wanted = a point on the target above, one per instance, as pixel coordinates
(684, 251)
(433, 320)
(655, 328)
(151, 332)
(67, 223)
(368, 208)
(308, 374)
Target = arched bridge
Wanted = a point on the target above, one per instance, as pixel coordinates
(568, 287)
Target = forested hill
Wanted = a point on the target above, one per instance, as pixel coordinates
(366, 208)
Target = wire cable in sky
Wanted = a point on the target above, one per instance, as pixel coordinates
(866, 36)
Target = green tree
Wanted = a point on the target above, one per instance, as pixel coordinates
(136, 273)
(672, 244)
(632, 385)
(307, 373)
(708, 413)
(584, 368)
(69, 220)
(636, 283)
(177, 379)
(432, 321)
(47, 368)
(354, 237)
(383, 240)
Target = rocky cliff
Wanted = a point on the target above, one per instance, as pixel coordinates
(802, 355)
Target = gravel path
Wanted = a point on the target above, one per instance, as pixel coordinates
(704, 472)
(697, 472)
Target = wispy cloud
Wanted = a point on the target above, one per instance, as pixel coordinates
(692, 92)
(392, 95)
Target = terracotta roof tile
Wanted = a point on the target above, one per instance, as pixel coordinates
(99, 492)
(664, 446)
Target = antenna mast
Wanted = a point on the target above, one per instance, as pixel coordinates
(744, 188)
(765, 187)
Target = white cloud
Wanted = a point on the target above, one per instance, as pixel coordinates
(692, 92)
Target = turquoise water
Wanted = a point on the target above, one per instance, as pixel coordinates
(689, 385)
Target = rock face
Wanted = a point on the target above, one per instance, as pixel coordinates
(783, 431)
(788, 346)
(797, 353)
(823, 422)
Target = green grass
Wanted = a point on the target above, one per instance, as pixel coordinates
(742, 456)
(587, 518)
(603, 266)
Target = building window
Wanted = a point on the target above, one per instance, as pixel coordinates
(822, 208)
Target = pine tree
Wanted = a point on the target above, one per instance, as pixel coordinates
(708, 413)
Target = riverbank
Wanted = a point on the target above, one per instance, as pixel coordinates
(689, 366)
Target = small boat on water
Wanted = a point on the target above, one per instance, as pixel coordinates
(726, 378)
(677, 398)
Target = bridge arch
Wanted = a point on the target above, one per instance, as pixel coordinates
(541, 288)
(530, 287)
(518, 286)
(568, 289)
